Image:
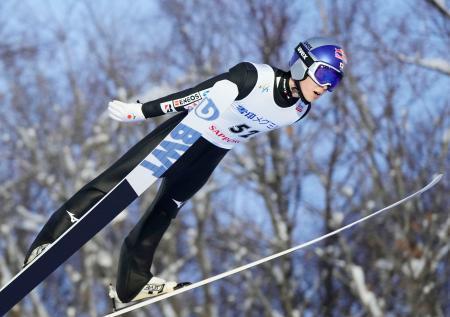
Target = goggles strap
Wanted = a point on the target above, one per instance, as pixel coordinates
(297, 85)
(303, 54)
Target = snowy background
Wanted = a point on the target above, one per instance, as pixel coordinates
(381, 136)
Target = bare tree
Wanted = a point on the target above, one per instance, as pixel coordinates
(377, 138)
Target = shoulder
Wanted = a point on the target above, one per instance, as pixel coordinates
(245, 76)
(243, 69)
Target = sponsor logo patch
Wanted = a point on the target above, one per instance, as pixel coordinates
(307, 45)
(340, 54)
(167, 107)
(170, 150)
(207, 110)
(187, 100)
(255, 118)
(299, 108)
(302, 53)
(73, 219)
(264, 88)
(178, 203)
(152, 288)
(221, 135)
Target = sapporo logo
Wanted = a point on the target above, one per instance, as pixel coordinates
(221, 135)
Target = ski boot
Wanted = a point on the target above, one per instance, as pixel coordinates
(155, 287)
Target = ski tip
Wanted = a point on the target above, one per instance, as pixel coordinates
(437, 178)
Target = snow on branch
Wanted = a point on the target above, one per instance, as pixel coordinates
(367, 297)
(437, 64)
(440, 5)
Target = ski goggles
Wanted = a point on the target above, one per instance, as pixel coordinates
(321, 73)
(325, 75)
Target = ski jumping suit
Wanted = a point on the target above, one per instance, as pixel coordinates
(261, 102)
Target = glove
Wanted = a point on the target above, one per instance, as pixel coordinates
(125, 112)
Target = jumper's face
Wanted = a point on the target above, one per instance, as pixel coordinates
(310, 90)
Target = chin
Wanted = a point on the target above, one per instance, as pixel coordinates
(311, 99)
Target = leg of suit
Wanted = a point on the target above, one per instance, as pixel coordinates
(180, 183)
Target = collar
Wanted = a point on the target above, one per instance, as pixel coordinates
(284, 89)
(302, 97)
(283, 95)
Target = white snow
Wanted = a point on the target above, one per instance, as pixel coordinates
(446, 136)
(73, 274)
(27, 137)
(241, 252)
(438, 64)
(273, 196)
(104, 258)
(100, 138)
(392, 173)
(89, 170)
(49, 180)
(6, 137)
(337, 218)
(278, 272)
(440, 3)
(31, 221)
(31, 133)
(429, 287)
(367, 297)
(319, 252)
(5, 229)
(370, 204)
(248, 163)
(384, 264)
(71, 311)
(348, 191)
(41, 176)
(443, 252)
(282, 230)
(69, 162)
(122, 93)
(5, 272)
(443, 233)
(296, 313)
(414, 267)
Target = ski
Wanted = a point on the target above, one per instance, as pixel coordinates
(155, 164)
(152, 300)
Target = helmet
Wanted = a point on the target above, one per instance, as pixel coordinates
(320, 58)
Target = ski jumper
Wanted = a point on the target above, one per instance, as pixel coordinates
(261, 102)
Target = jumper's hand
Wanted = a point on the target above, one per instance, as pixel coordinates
(125, 112)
